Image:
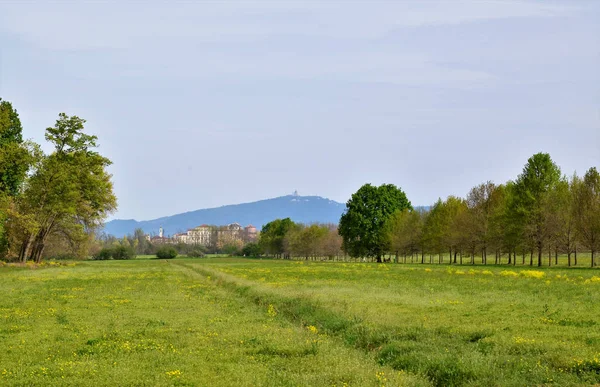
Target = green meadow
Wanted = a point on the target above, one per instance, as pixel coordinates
(248, 322)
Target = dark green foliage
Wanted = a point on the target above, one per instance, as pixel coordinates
(273, 234)
(13, 156)
(532, 189)
(123, 252)
(104, 254)
(166, 252)
(117, 252)
(14, 162)
(251, 250)
(362, 226)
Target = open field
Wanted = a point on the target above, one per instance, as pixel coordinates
(224, 321)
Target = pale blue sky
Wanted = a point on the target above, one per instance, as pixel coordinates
(202, 104)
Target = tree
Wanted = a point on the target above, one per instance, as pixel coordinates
(69, 191)
(271, 239)
(13, 156)
(251, 249)
(563, 199)
(405, 230)
(587, 210)
(332, 243)
(306, 241)
(362, 226)
(533, 187)
(15, 160)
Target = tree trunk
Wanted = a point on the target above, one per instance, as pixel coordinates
(23, 253)
(379, 258)
(540, 252)
(575, 262)
(569, 258)
(592, 257)
(531, 258)
(455, 257)
(556, 257)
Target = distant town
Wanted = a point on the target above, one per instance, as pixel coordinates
(209, 235)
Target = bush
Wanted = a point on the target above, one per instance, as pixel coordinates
(104, 254)
(122, 252)
(251, 250)
(195, 253)
(166, 252)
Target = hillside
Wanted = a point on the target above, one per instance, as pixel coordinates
(304, 209)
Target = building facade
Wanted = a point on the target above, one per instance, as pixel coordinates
(206, 235)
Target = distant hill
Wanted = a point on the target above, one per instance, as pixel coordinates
(303, 209)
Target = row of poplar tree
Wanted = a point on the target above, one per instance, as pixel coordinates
(50, 203)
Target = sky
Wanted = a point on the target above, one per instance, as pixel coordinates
(201, 104)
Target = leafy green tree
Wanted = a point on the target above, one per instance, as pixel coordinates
(15, 160)
(454, 207)
(486, 205)
(13, 156)
(272, 236)
(251, 249)
(563, 211)
(587, 210)
(69, 192)
(362, 226)
(532, 189)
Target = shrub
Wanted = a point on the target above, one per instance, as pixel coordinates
(122, 252)
(104, 254)
(195, 253)
(251, 250)
(166, 252)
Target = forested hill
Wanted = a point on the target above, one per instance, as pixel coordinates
(302, 209)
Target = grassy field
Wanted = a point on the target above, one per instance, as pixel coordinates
(222, 321)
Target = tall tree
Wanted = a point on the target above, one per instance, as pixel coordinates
(69, 190)
(271, 239)
(533, 188)
(15, 160)
(362, 226)
(405, 230)
(587, 210)
(13, 156)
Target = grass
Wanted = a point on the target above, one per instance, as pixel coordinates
(229, 321)
(152, 322)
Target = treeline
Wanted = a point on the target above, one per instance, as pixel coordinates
(540, 214)
(283, 238)
(139, 243)
(50, 203)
